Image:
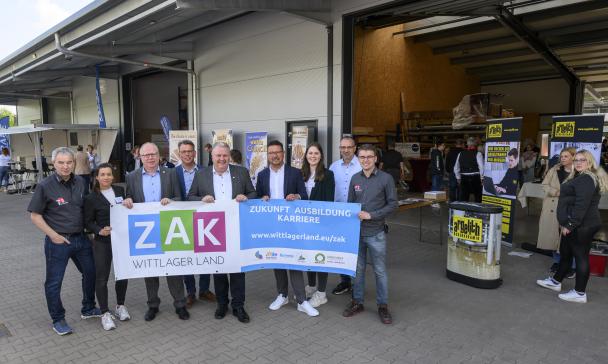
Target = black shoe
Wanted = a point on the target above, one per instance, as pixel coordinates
(241, 314)
(220, 311)
(352, 309)
(151, 313)
(182, 313)
(342, 288)
(385, 316)
(553, 268)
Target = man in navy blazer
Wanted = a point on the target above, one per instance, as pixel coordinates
(281, 181)
(186, 172)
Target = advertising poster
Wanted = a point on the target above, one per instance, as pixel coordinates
(299, 141)
(256, 153)
(500, 170)
(578, 131)
(176, 136)
(224, 136)
(184, 238)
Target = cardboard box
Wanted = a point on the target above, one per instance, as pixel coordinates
(435, 195)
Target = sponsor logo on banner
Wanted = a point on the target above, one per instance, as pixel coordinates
(271, 255)
(301, 258)
(467, 228)
(564, 129)
(494, 131)
(320, 258)
(258, 255)
(177, 230)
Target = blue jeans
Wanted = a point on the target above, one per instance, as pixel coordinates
(377, 249)
(557, 258)
(437, 182)
(203, 284)
(57, 257)
(453, 187)
(4, 176)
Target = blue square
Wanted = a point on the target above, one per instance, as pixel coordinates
(144, 235)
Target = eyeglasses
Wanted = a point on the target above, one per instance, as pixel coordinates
(367, 157)
(148, 155)
(580, 160)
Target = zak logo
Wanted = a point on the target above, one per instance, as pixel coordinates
(183, 230)
(494, 131)
(564, 129)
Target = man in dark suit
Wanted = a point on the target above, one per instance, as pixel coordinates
(186, 172)
(152, 183)
(222, 181)
(281, 181)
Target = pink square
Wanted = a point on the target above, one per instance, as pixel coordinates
(209, 232)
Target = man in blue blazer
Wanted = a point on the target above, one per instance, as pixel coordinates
(281, 181)
(186, 172)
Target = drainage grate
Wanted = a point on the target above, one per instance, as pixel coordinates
(4, 331)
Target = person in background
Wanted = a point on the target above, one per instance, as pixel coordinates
(164, 162)
(224, 182)
(153, 183)
(208, 149)
(97, 207)
(344, 169)
(468, 170)
(132, 161)
(236, 158)
(392, 164)
(94, 161)
(5, 158)
(528, 163)
(81, 166)
(450, 161)
(437, 166)
(548, 227)
(186, 173)
(320, 186)
(375, 191)
(579, 219)
(56, 209)
(281, 181)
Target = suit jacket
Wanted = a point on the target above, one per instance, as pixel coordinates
(203, 183)
(169, 186)
(179, 172)
(324, 190)
(292, 182)
(97, 211)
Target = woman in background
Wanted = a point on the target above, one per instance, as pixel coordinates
(579, 220)
(5, 158)
(320, 186)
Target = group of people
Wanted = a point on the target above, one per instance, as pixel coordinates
(64, 211)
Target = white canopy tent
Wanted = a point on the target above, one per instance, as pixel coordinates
(31, 142)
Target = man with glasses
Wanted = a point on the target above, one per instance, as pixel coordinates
(375, 191)
(186, 172)
(152, 183)
(344, 169)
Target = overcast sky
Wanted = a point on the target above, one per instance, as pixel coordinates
(24, 20)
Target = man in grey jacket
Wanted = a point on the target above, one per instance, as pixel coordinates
(152, 183)
(375, 191)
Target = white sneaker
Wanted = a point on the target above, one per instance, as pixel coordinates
(122, 313)
(279, 302)
(550, 284)
(107, 321)
(307, 309)
(573, 296)
(310, 291)
(318, 299)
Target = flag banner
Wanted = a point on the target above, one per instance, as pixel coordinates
(185, 238)
(166, 124)
(101, 115)
(256, 153)
(577, 131)
(500, 171)
(4, 139)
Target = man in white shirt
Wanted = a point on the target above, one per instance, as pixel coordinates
(344, 169)
(468, 170)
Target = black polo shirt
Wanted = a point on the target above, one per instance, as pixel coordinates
(60, 203)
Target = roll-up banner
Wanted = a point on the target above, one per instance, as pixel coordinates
(224, 136)
(299, 141)
(176, 136)
(256, 153)
(500, 171)
(577, 131)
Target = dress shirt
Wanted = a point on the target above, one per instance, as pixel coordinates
(343, 172)
(189, 177)
(479, 159)
(151, 186)
(277, 181)
(222, 185)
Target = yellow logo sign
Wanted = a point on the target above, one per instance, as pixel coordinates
(494, 130)
(564, 129)
(467, 228)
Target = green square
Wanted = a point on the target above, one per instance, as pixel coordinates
(176, 233)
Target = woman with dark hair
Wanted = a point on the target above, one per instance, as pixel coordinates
(579, 219)
(97, 207)
(320, 186)
(236, 157)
